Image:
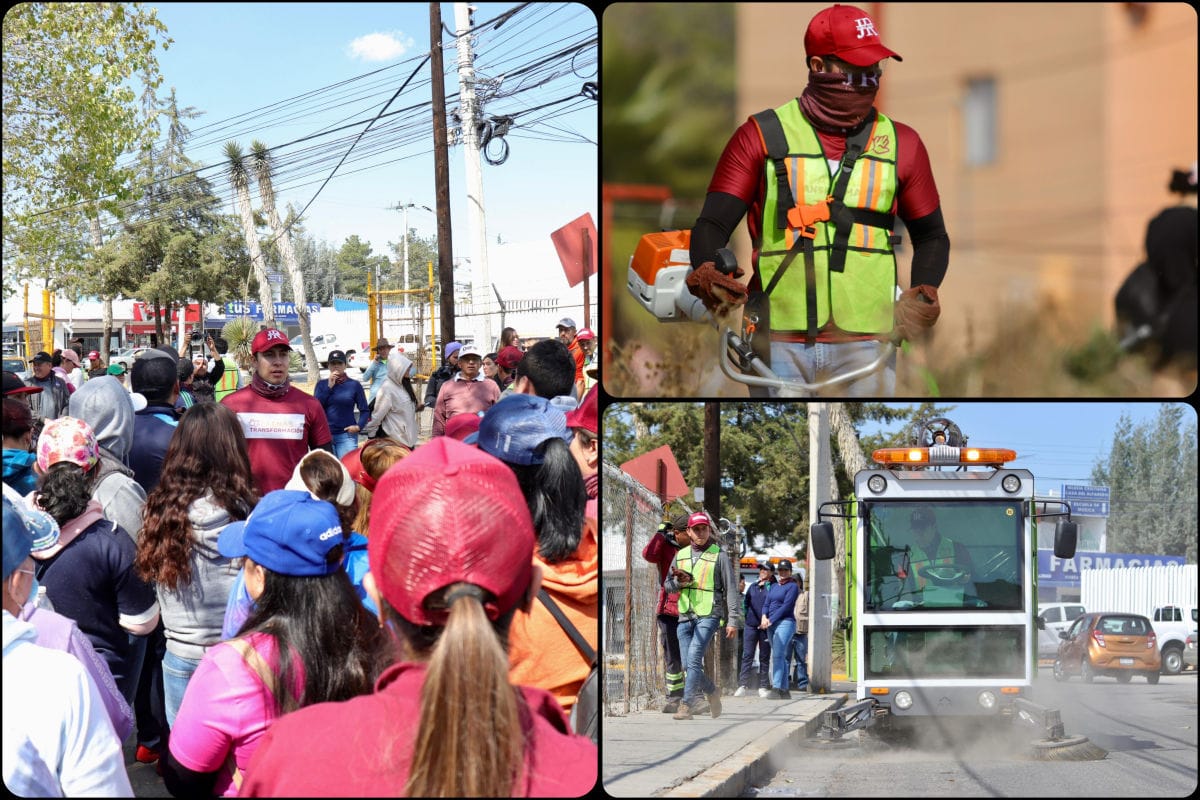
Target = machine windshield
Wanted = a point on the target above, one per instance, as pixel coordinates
(944, 555)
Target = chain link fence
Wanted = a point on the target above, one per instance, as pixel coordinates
(634, 677)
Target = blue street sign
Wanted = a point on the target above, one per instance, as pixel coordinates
(1087, 501)
(1064, 572)
(284, 312)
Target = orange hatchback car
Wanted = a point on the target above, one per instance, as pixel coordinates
(1120, 645)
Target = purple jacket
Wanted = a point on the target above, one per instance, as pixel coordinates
(56, 632)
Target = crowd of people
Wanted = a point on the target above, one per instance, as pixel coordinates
(223, 573)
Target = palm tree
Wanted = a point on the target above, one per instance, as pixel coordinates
(240, 178)
(262, 170)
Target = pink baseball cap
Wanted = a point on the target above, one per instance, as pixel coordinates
(848, 33)
(450, 513)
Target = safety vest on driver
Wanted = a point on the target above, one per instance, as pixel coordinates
(229, 379)
(858, 298)
(697, 597)
(919, 559)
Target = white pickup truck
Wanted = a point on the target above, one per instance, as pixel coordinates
(1172, 626)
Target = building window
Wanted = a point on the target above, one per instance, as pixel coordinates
(979, 112)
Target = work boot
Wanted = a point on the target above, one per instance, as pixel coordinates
(672, 705)
(683, 713)
(742, 691)
(714, 703)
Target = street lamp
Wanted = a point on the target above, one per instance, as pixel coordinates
(405, 208)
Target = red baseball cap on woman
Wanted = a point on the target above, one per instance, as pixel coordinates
(847, 33)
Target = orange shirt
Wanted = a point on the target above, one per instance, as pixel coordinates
(540, 653)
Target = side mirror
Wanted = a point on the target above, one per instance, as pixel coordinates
(1066, 534)
(1041, 623)
(821, 535)
(1064, 635)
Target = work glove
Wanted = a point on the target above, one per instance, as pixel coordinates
(916, 311)
(717, 290)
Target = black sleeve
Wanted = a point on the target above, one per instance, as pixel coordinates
(182, 782)
(719, 216)
(931, 249)
(217, 371)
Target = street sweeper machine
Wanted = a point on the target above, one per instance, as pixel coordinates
(941, 585)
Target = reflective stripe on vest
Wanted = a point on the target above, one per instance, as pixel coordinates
(859, 298)
(920, 560)
(697, 598)
(229, 378)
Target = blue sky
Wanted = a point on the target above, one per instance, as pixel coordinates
(1058, 442)
(235, 59)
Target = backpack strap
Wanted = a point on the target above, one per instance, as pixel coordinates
(572, 631)
(259, 667)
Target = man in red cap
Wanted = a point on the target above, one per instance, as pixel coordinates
(824, 178)
(281, 422)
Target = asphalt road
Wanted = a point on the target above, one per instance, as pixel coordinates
(1148, 731)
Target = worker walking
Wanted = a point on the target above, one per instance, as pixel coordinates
(661, 550)
(704, 577)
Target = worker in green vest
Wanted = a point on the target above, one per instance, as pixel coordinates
(229, 377)
(824, 178)
(708, 597)
(937, 569)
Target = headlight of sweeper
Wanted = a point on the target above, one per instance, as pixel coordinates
(987, 700)
(903, 701)
(877, 484)
(1011, 484)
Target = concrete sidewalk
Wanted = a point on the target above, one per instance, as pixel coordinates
(647, 753)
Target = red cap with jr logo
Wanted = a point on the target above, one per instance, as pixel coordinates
(847, 33)
(266, 339)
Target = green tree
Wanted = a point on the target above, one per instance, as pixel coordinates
(354, 262)
(70, 113)
(1151, 474)
(420, 253)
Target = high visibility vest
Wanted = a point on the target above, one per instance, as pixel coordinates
(859, 297)
(229, 379)
(920, 559)
(697, 597)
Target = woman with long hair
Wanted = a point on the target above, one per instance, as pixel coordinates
(205, 484)
(308, 640)
(531, 436)
(449, 573)
(509, 338)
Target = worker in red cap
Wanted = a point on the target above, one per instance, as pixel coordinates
(824, 178)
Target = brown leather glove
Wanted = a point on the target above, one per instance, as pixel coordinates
(916, 311)
(718, 291)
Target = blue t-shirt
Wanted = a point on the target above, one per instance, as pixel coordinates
(92, 581)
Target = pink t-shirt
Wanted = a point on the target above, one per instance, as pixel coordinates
(226, 707)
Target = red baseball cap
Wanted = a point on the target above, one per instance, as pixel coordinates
(352, 461)
(509, 357)
(699, 518)
(460, 426)
(450, 513)
(585, 416)
(847, 33)
(268, 338)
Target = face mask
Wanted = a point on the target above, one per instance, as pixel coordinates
(837, 102)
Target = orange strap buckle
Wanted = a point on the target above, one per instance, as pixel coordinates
(804, 217)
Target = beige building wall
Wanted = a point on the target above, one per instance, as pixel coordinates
(1096, 103)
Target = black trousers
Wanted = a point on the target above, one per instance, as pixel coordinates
(672, 663)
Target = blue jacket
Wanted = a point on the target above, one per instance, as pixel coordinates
(339, 404)
(18, 470)
(781, 601)
(756, 598)
(153, 428)
(376, 373)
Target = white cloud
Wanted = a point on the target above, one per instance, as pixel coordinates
(379, 46)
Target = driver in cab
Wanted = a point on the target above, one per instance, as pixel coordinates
(934, 561)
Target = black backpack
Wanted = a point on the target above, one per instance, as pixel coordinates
(585, 714)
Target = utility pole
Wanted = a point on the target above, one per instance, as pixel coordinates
(441, 171)
(820, 622)
(474, 173)
(405, 207)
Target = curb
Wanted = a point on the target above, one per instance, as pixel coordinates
(753, 763)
